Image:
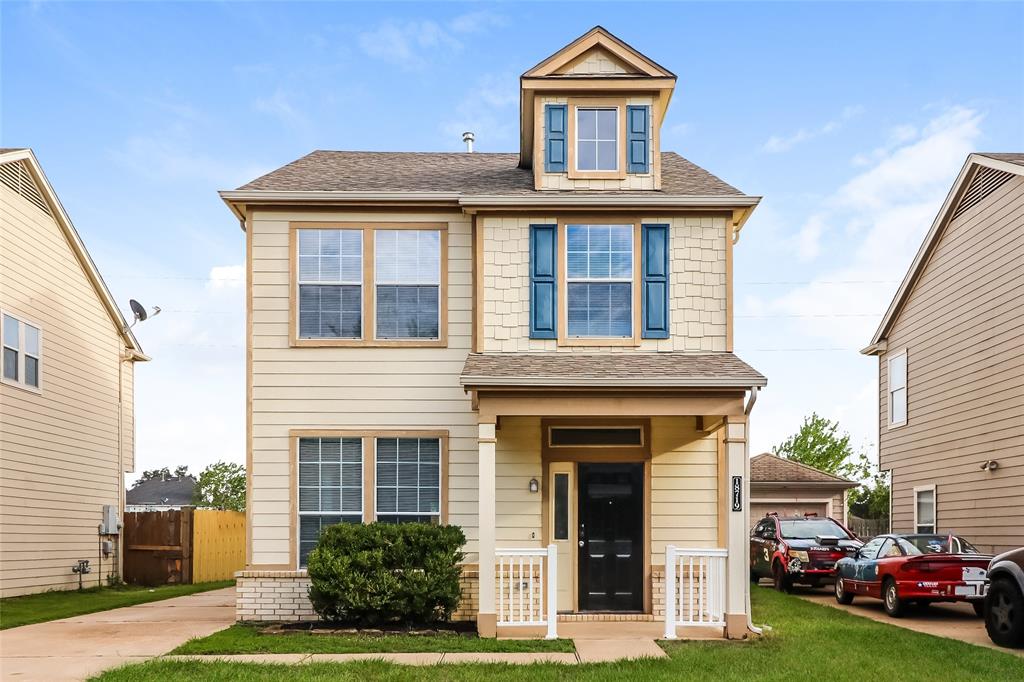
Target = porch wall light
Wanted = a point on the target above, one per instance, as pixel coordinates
(534, 485)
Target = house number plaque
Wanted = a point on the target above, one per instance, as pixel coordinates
(737, 493)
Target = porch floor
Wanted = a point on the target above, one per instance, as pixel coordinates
(612, 630)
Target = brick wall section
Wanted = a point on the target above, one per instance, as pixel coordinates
(470, 583)
(697, 286)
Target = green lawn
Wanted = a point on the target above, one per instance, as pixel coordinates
(39, 608)
(808, 642)
(246, 639)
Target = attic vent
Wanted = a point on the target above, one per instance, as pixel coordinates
(986, 181)
(16, 176)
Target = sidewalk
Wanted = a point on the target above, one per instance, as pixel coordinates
(79, 647)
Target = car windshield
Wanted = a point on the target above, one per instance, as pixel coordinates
(939, 544)
(808, 529)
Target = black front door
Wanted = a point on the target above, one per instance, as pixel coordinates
(611, 537)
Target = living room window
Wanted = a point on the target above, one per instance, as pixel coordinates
(924, 509)
(330, 487)
(898, 389)
(408, 479)
(599, 274)
(359, 284)
(22, 351)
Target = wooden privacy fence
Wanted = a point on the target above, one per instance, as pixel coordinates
(867, 528)
(183, 546)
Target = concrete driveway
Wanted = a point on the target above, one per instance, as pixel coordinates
(80, 647)
(953, 621)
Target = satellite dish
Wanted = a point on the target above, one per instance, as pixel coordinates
(137, 309)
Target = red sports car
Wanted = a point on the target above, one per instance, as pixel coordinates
(914, 568)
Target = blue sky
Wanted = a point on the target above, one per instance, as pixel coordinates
(852, 120)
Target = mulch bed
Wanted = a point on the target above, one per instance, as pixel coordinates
(463, 628)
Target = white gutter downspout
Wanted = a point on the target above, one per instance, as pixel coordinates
(746, 493)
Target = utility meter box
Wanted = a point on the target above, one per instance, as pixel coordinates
(110, 523)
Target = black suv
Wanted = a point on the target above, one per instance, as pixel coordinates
(1004, 605)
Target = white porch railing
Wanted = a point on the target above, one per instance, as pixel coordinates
(528, 588)
(694, 588)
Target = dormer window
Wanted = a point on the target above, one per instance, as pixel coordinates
(597, 139)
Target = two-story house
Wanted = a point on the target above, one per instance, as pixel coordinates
(536, 347)
(950, 354)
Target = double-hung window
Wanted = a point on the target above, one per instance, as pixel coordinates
(408, 479)
(599, 280)
(330, 280)
(22, 350)
(924, 509)
(597, 139)
(330, 487)
(408, 283)
(898, 389)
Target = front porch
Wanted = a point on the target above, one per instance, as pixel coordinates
(608, 504)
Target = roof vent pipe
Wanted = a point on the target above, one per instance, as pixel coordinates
(468, 138)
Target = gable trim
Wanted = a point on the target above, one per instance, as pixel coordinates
(599, 37)
(31, 164)
(974, 163)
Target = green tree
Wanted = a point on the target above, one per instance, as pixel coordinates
(165, 473)
(819, 444)
(221, 486)
(871, 500)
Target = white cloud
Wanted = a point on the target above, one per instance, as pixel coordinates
(679, 130)
(475, 22)
(783, 143)
(486, 110)
(227, 277)
(408, 44)
(280, 106)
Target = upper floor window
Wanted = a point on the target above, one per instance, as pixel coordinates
(897, 377)
(22, 344)
(597, 139)
(599, 280)
(367, 285)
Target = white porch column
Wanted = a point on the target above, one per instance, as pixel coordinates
(486, 618)
(738, 531)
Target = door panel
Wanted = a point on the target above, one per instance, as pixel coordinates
(562, 528)
(611, 542)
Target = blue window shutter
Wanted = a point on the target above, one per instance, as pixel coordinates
(655, 284)
(543, 281)
(554, 138)
(638, 133)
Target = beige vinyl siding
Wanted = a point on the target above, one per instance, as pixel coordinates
(697, 290)
(517, 460)
(59, 446)
(962, 326)
(351, 388)
(684, 486)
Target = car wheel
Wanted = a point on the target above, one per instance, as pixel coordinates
(891, 598)
(1004, 614)
(842, 596)
(979, 607)
(783, 583)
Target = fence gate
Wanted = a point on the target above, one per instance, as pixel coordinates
(158, 547)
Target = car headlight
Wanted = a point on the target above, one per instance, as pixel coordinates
(798, 554)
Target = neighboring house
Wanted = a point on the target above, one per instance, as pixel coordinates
(160, 494)
(791, 488)
(536, 347)
(951, 366)
(67, 425)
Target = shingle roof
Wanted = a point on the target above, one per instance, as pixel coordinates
(769, 468)
(1010, 157)
(173, 491)
(641, 369)
(458, 172)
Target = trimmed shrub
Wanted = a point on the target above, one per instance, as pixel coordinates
(382, 573)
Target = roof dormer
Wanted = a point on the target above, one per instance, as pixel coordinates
(591, 116)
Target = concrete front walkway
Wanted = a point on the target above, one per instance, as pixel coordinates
(79, 647)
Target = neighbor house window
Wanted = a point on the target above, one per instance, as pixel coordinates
(597, 139)
(924, 509)
(408, 280)
(408, 479)
(600, 280)
(898, 389)
(330, 487)
(330, 282)
(22, 346)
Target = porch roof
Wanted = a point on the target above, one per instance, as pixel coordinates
(620, 370)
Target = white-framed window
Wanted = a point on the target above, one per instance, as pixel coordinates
(599, 280)
(330, 486)
(924, 509)
(22, 344)
(330, 283)
(408, 481)
(597, 139)
(898, 389)
(407, 270)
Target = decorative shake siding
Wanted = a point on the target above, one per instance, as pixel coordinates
(962, 326)
(595, 63)
(59, 462)
(351, 388)
(632, 181)
(697, 286)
